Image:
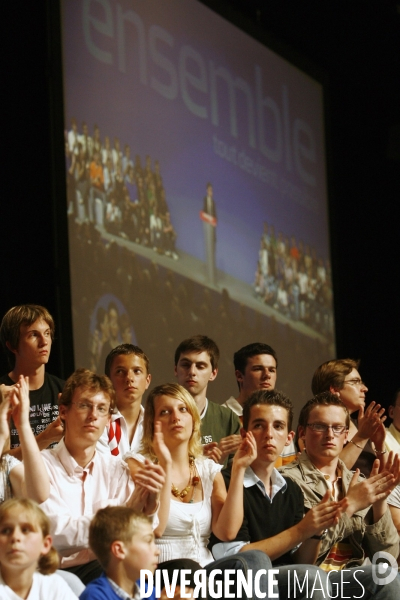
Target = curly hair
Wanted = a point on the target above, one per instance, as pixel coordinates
(87, 379)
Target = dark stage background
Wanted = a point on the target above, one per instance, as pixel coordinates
(356, 44)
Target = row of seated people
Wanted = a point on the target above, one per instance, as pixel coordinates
(201, 472)
(294, 280)
(105, 186)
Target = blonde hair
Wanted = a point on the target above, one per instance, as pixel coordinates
(47, 563)
(173, 390)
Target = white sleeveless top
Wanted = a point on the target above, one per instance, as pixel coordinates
(189, 525)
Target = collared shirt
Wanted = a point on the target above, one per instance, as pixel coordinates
(250, 478)
(121, 593)
(335, 486)
(277, 482)
(124, 446)
(392, 440)
(76, 494)
(234, 405)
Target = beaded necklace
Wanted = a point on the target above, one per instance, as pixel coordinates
(193, 482)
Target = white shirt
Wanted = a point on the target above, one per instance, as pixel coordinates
(73, 139)
(44, 587)
(87, 144)
(234, 405)
(76, 494)
(392, 440)
(124, 446)
(188, 528)
(394, 497)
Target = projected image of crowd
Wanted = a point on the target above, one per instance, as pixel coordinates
(115, 192)
(291, 278)
(106, 186)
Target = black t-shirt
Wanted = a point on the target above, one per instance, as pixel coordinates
(44, 405)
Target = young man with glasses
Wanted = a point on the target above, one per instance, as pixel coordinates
(82, 480)
(366, 525)
(366, 435)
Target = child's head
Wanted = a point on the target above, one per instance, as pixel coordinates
(25, 526)
(118, 533)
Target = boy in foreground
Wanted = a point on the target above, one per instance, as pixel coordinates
(123, 541)
(129, 370)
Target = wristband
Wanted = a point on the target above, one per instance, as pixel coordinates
(351, 442)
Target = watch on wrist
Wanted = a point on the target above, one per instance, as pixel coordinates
(320, 537)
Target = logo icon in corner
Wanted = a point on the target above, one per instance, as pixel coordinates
(384, 568)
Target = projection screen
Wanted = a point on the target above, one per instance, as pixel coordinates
(197, 192)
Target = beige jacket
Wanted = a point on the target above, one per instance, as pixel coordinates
(365, 537)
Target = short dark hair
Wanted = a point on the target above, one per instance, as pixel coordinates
(271, 398)
(332, 374)
(24, 314)
(241, 357)
(87, 379)
(322, 399)
(199, 343)
(110, 524)
(125, 349)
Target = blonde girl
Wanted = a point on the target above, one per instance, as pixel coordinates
(27, 559)
(194, 500)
